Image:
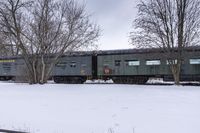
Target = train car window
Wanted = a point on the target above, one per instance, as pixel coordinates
(6, 66)
(107, 63)
(194, 61)
(73, 64)
(153, 62)
(170, 61)
(117, 62)
(133, 63)
(61, 64)
(83, 65)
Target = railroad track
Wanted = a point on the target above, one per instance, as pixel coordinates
(11, 131)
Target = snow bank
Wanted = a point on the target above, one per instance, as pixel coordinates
(99, 108)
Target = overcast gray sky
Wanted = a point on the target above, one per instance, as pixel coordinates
(115, 19)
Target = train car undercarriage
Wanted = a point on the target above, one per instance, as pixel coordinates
(70, 79)
(127, 79)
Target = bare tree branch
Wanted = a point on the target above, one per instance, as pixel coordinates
(170, 25)
(42, 28)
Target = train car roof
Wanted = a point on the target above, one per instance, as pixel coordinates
(111, 52)
(124, 51)
(143, 50)
(10, 57)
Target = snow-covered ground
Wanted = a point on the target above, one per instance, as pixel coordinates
(99, 108)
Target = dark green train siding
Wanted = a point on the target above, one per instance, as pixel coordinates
(11, 67)
(73, 66)
(107, 60)
(92, 65)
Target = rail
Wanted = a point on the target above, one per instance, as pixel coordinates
(10, 131)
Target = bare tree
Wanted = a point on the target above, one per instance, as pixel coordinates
(7, 47)
(44, 30)
(170, 25)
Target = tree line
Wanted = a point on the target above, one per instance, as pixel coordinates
(43, 30)
(171, 25)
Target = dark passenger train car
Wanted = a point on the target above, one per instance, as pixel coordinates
(138, 65)
(74, 68)
(11, 67)
(122, 66)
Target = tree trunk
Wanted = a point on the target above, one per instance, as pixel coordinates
(176, 73)
(34, 71)
(42, 80)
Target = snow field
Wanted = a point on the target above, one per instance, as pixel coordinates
(99, 108)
